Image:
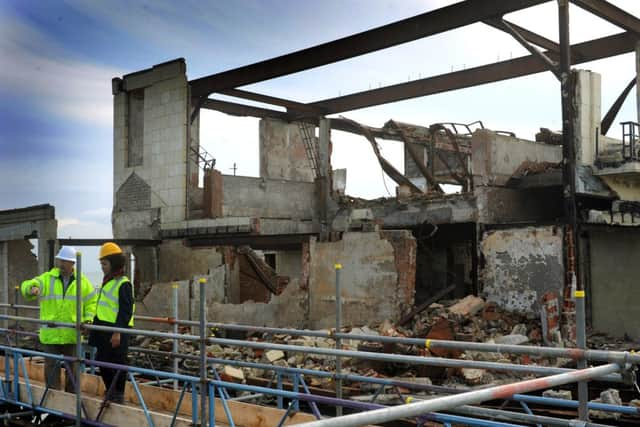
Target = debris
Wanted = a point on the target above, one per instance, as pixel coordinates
(519, 329)
(558, 394)
(468, 306)
(514, 339)
(473, 376)
(273, 355)
(229, 373)
(611, 397)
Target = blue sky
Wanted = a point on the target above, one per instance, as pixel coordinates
(57, 59)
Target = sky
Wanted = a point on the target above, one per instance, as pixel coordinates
(57, 59)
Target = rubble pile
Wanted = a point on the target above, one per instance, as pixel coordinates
(468, 319)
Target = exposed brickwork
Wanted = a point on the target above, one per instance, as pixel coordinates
(213, 194)
(404, 247)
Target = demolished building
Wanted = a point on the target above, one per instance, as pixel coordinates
(533, 221)
(502, 236)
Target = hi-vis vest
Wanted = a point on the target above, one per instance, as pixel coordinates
(58, 306)
(108, 302)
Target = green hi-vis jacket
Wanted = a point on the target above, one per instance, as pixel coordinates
(109, 300)
(58, 306)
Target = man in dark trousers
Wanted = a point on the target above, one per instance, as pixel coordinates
(115, 308)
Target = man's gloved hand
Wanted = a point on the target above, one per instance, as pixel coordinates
(34, 291)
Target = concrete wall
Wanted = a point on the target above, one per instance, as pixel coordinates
(267, 198)
(288, 309)
(373, 286)
(496, 157)
(615, 285)
(163, 162)
(588, 115)
(179, 262)
(521, 264)
(282, 152)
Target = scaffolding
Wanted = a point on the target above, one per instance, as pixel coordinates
(211, 397)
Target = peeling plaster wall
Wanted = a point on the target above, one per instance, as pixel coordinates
(521, 264)
(377, 279)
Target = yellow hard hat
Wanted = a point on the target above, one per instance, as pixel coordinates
(109, 248)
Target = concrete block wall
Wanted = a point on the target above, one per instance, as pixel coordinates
(165, 149)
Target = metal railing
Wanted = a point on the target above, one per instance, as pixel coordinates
(206, 390)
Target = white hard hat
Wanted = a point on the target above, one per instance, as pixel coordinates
(67, 253)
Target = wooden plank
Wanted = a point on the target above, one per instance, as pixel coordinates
(163, 399)
(114, 414)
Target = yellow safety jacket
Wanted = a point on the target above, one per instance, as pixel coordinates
(108, 300)
(58, 306)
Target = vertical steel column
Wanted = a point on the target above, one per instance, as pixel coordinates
(567, 82)
(175, 331)
(338, 268)
(4, 268)
(78, 388)
(203, 354)
(637, 80)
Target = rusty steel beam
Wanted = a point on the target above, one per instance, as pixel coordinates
(582, 52)
(529, 36)
(611, 13)
(437, 21)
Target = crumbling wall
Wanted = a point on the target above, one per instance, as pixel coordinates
(282, 152)
(614, 273)
(377, 279)
(496, 157)
(520, 265)
(178, 261)
(22, 265)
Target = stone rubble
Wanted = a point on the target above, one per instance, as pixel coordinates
(469, 319)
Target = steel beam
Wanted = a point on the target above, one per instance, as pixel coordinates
(410, 29)
(551, 65)
(611, 13)
(504, 70)
(529, 36)
(608, 119)
(291, 106)
(242, 110)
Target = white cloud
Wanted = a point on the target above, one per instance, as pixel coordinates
(35, 67)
